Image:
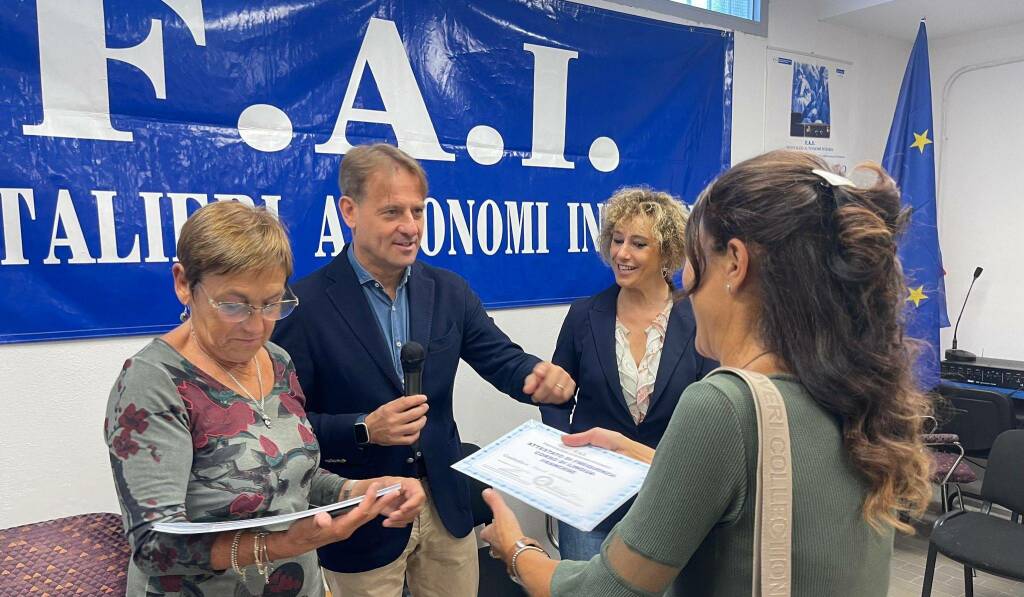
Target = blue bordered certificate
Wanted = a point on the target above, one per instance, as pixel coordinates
(579, 486)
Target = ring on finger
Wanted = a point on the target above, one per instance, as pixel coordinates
(493, 554)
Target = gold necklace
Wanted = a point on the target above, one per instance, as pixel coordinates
(748, 363)
(259, 404)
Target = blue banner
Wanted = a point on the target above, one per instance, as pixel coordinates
(910, 159)
(121, 117)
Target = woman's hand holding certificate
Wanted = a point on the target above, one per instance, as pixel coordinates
(610, 440)
(578, 485)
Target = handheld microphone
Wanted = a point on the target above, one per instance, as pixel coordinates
(954, 354)
(412, 357)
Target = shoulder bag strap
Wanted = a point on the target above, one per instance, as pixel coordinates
(773, 506)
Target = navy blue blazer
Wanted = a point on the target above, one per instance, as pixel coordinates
(345, 370)
(586, 350)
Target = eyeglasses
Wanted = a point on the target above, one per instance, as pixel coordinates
(239, 312)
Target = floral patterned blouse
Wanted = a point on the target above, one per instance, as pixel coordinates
(638, 380)
(185, 447)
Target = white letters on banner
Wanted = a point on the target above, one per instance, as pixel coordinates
(73, 56)
(76, 104)
(10, 211)
(592, 224)
(67, 219)
(382, 51)
(108, 231)
(460, 226)
(550, 83)
(125, 117)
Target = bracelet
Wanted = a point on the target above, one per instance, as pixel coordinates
(234, 555)
(520, 548)
(256, 553)
(266, 554)
(259, 555)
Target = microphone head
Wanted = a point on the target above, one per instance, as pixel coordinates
(412, 357)
(977, 272)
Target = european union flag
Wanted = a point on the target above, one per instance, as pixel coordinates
(910, 159)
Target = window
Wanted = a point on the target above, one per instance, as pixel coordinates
(742, 15)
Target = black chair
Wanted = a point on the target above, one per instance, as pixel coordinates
(976, 416)
(979, 540)
(494, 579)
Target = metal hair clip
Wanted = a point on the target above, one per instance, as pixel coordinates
(833, 179)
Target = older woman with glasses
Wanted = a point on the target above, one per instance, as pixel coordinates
(206, 423)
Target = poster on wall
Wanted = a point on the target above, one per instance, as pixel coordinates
(119, 118)
(807, 105)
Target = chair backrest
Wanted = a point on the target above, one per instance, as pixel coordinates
(1004, 475)
(78, 555)
(978, 416)
(481, 511)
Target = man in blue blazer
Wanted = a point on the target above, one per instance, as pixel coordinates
(345, 338)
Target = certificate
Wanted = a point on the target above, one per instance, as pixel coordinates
(579, 486)
(195, 528)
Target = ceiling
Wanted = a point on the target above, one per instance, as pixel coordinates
(898, 18)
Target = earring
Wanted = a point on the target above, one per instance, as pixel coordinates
(728, 288)
(185, 314)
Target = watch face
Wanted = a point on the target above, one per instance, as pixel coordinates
(362, 434)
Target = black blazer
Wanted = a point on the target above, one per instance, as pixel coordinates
(345, 370)
(586, 350)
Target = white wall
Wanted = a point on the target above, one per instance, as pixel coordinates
(52, 458)
(981, 201)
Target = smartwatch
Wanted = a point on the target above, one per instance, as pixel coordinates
(361, 431)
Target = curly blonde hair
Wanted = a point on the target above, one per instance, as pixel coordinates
(666, 214)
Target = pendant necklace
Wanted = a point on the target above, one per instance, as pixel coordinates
(259, 404)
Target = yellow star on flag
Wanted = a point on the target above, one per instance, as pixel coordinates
(916, 296)
(921, 140)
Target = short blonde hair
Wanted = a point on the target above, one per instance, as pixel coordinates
(667, 216)
(363, 161)
(229, 237)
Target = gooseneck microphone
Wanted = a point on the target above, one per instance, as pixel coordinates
(412, 357)
(954, 354)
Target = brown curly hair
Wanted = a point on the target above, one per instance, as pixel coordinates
(824, 262)
(667, 215)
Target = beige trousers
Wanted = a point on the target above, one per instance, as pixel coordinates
(435, 563)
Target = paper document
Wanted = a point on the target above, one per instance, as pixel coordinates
(194, 528)
(579, 486)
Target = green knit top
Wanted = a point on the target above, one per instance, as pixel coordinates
(695, 510)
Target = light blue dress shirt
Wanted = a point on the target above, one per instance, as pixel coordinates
(392, 316)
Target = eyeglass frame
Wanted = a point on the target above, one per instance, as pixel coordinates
(218, 306)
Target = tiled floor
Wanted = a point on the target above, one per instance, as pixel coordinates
(908, 572)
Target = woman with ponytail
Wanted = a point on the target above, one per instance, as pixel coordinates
(792, 273)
